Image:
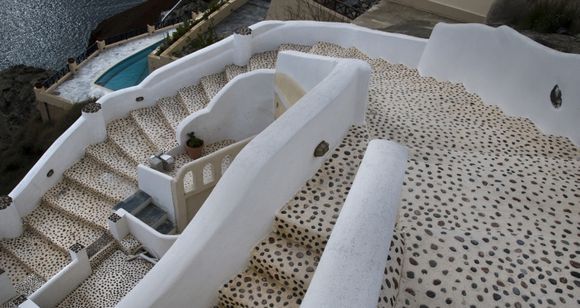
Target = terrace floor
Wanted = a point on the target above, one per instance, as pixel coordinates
(248, 14)
(81, 87)
(392, 17)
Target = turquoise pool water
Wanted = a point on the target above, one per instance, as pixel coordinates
(129, 72)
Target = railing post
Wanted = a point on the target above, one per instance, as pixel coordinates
(7, 290)
(101, 45)
(93, 113)
(150, 29)
(72, 65)
(243, 46)
(39, 90)
(118, 226)
(10, 221)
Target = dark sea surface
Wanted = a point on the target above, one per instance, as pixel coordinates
(45, 33)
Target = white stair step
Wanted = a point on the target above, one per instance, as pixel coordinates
(193, 98)
(36, 253)
(80, 203)
(263, 60)
(290, 264)
(61, 230)
(173, 111)
(108, 283)
(212, 84)
(128, 137)
(152, 123)
(110, 156)
(233, 70)
(93, 176)
(255, 288)
(295, 47)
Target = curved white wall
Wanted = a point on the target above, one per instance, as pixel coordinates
(186, 71)
(243, 108)
(264, 176)
(510, 70)
(351, 269)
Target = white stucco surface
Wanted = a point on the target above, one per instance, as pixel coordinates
(230, 115)
(350, 271)
(242, 205)
(64, 282)
(510, 70)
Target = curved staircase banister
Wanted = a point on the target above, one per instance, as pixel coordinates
(351, 268)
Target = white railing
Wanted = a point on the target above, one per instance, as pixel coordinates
(64, 282)
(153, 241)
(90, 128)
(267, 35)
(476, 55)
(232, 116)
(194, 181)
(509, 70)
(264, 176)
(351, 270)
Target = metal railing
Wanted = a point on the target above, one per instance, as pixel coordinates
(127, 35)
(56, 76)
(93, 48)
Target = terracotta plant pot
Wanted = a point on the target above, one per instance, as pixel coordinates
(194, 153)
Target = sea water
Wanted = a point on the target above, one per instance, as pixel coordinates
(45, 33)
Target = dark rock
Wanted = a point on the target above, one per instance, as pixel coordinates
(17, 99)
(418, 28)
(508, 12)
(560, 42)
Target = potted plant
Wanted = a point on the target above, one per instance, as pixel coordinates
(193, 146)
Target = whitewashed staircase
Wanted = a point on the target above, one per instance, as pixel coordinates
(476, 178)
(76, 209)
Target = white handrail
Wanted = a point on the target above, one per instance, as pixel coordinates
(190, 179)
(351, 270)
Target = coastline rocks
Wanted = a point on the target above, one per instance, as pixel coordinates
(137, 17)
(508, 12)
(17, 98)
(560, 42)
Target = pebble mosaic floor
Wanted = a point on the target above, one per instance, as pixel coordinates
(76, 209)
(489, 211)
(488, 217)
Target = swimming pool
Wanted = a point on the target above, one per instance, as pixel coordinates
(129, 72)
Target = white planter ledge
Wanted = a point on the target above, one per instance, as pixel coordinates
(351, 269)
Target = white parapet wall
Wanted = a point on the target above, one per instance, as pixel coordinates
(121, 223)
(509, 70)
(242, 108)
(264, 176)
(63, 153)
(267, 35)
(351, 270)
(64, 282)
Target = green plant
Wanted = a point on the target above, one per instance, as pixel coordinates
(180, 31)
(550, 16)
(204, 39)
(193, 141)
(184, 28)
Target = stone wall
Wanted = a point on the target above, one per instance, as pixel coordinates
(302, 10)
